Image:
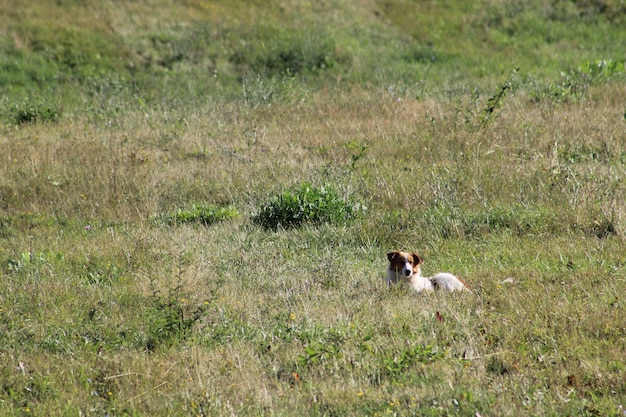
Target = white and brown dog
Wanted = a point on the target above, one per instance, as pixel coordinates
(406, 265)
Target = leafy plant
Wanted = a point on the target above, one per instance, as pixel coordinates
(359, 152)
(317, 352)
(397, 365)
(31, 112)
(574, 83)
(601, 68)
(308, 204)
(495, 100)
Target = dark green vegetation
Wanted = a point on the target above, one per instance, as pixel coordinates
(183, 194)
(308, 204)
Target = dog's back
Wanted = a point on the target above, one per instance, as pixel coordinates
(448, 282)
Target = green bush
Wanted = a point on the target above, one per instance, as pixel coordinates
(32, 112)
(574, 83)
(308, 204)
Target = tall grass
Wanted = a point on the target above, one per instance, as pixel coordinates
(136, 278)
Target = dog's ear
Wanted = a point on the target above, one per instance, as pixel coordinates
(418, 259)
(391, 255)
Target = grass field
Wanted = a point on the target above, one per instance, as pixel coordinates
(196, 200)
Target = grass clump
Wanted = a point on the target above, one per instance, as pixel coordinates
(286, 53)
(170, 320)
(206, 214)
(27, 112)
(308, 204)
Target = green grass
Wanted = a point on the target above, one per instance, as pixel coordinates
(182, 208)
(200, 213)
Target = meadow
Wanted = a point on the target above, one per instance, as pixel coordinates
(196, 200)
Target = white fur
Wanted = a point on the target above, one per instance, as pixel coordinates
(442, 281)
(419, 283)
(448, 282)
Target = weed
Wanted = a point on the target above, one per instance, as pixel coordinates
(308, 204)
(31, 112)
(601, 69)
(574, 83)
(317, 352)
(359, 152)
(171, 313)
(170, 321)
(586, 153)
(495, 100)
(97, 273)
(396, 366)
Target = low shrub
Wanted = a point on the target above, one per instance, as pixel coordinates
(32, 112)
(308, 204)
(574, 83)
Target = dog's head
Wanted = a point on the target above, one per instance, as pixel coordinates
(405, 264)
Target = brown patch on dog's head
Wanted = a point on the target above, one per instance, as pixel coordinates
(404, 263)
